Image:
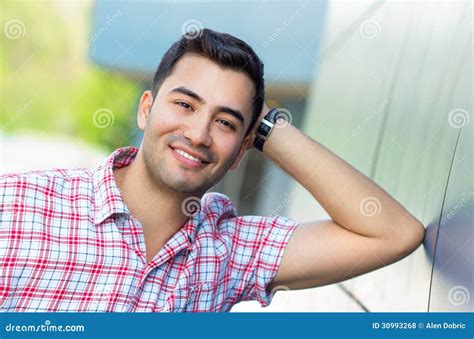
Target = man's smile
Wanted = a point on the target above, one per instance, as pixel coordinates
(189, 158)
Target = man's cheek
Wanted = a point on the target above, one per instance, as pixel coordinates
(230, 156)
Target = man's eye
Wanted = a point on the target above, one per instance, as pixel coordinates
(226, 124)
(184, 105)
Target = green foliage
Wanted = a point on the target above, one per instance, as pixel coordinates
(47, 82)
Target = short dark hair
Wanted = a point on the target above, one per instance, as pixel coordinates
(225, 50)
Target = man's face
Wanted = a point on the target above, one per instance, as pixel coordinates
(194, 130)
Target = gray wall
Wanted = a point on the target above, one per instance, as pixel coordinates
(394, 98)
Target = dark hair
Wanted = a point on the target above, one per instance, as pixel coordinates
(225, 50)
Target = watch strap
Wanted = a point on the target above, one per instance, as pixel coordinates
(265, 128)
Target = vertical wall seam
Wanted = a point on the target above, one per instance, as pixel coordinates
(439, 219)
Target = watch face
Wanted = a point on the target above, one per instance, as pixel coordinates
(264, 128)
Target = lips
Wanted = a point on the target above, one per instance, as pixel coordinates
(189, 158)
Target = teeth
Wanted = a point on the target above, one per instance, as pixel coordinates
(186, 155)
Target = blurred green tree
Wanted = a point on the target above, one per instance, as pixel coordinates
(49, 85)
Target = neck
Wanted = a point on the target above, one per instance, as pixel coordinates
(157, 207)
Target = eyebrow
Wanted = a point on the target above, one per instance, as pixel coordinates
(186, 91)
(234, 112)
(189, 93)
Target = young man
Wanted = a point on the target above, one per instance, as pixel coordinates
(139, 233)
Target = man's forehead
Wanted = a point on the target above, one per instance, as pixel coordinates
(215, 85)
(199, 68)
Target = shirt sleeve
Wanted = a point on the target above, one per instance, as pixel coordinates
(276, 235)
(255, 247)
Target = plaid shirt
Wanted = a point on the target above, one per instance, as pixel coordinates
(69, 243)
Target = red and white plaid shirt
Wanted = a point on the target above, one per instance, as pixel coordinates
(69, 243)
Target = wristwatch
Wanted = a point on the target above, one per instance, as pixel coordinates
(265, 128)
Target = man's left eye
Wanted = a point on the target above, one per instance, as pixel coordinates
(226, 123)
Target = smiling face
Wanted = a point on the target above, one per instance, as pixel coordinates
(194, 131)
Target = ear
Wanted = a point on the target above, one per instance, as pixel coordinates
(243, 149)
(144, 108)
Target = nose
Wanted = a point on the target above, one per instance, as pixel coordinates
(197, 130)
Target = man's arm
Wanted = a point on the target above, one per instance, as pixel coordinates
(369, 229)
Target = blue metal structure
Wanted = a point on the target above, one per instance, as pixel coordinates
(132, 37)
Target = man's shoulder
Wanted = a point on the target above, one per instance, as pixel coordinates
(214, 201)
(220, 211)
(48, 174)
(57, 180)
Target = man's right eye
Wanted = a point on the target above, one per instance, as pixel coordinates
(185, 105)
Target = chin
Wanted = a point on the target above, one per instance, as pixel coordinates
(185, 185)
(179, 180)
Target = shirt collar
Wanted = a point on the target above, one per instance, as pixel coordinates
(108, 200)
(189, 229)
